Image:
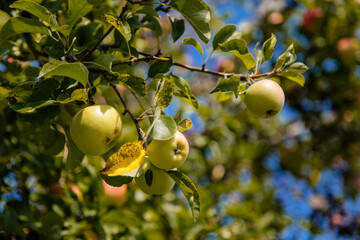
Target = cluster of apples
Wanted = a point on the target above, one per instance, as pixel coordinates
(95, 129)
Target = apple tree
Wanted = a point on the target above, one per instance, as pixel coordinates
(96, 98)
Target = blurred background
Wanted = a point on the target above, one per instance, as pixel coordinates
(295, 176)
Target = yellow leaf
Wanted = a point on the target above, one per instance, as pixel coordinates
(126, 161)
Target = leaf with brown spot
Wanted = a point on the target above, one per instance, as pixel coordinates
(126, 161)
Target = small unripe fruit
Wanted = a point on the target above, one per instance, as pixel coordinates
(95, 129)
(264, 98)
(169, 154)
(155, 181)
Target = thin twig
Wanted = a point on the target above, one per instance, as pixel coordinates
(141, 133)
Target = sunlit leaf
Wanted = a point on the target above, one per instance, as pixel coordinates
(238, 47)
(293, 76)
(297, 67)
(268, 48)
(184, 125)
(164, 128)
(230, 84)
(165, 94)
(126, 161)
(287, 58)
(37, 10)
(194, 43)
(225, 34)
(75, 71)
(22, 25)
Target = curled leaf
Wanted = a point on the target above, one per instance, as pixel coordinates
(185, 125)
(126, 161)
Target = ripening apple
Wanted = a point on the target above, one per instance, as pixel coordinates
(169, 154)
(95, 129)
(155, 181)
(264, 98)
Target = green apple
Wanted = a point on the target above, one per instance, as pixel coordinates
(154, 181)
(169, 154)
(264, 98)
(95, 129)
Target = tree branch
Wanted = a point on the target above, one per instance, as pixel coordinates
(133, 59)
(226, 75)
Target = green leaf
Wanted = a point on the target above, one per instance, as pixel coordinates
(80, 94)
(287, 58)
(193, 42)
(116, 181)
(184, 125)
(293, 76)
(165, 93)
(145, 10)
(64, 29)
(75, 71)
(189, 190)
(160, 66)
(230, 84)
(30, 96)
(36, 10)
(223, 96)
(225, 34)
(77, 9)
(154, 25)
(22, 25)
(105, 61)
(122, 27)
(178, 28)
(135, 84)
(268, 48)
(238, 47)
(182, 90)
(297, 67)
(197, 13)
(72, 155)
(164, 128)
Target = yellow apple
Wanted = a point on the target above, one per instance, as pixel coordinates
(169, 154)
(155, 181)
(264, 98)
(95, 129)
